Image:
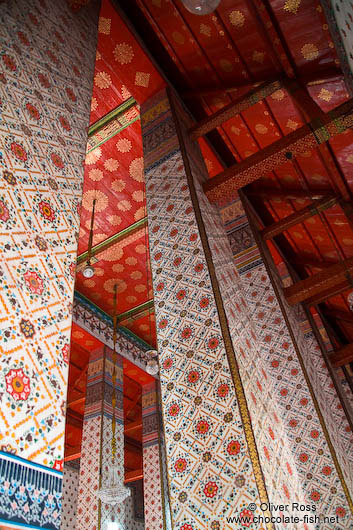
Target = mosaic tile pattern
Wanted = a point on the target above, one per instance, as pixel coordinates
(210, 471)
(46, 67)
(274, 376)
(152, 480)
(30, 494)
(69, 498)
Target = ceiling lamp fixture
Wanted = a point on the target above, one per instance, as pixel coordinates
(201, 7)
(115, 492)
(152, 363)
(88, 271)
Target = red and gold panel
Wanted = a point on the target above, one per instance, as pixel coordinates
(143, 326)
(123, 264)
(114, 177)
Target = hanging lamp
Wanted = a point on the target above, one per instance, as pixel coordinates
(201, 7)
(88, 271)
(115, 492)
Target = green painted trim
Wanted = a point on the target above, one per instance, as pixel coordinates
(135, 310)
(131, 102)
(103, 245)
(108, 318)
(112, 135)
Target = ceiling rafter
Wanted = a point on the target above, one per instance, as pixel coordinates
(263, 162)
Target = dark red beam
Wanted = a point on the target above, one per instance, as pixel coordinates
(342, 356)
(321, 283)
(298, 217)
(223, 187)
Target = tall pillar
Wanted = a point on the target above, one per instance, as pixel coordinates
(152, 479)
(214, 360)
(213, 464)
(96, 451)
(46, 68)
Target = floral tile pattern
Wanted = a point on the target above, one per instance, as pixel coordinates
(69, 498)
(46, 68)
(210, 471)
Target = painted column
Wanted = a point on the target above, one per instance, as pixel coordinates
(46, 67)
(96, 452)
(152, 480)
(219, 352)
(212, 460)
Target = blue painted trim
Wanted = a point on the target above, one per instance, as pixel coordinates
(18, 525)
(29, 463)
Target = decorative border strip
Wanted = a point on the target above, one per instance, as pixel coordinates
(30, 494)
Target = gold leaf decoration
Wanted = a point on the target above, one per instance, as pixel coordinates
(292, 6)
(236, 18)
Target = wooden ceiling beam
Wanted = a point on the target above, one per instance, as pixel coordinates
(223, 187)
(311, 79)
(74, 456)
(298, 217)
(235, 107)
(342, 356)
(137, 311)
(76, 402)
(326, 294)
(132, 476)
(307, 261)
(273, 193)
(315, 286)
(133, 426)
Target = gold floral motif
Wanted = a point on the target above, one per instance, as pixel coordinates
(118, 267)
(95, 174)
(258, 57)
(140, 213)
(291, 124)
(131, 299)
(109, 285)
(325, 94)
(138, 196)
(205, 30)
(142, 79)
(124, 206)
(111, 164)
(143, 327)
(113, 253)
(136, 275)
(104, 25)
(310, 51)
(89, 283)
(349, 159)
(237, 18)
(278, 95)
(140, 249)
(131, 260)
(292, 6)
(94, 104)
(93, 156)
(102, 80)
(114, 220)
(140, 288)
(235, 130)
(136, 169)
(261, 128)
(101, 200)
(124, 145)
(123, 53)
(118, 185)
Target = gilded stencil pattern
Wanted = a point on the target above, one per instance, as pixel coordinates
(45, 86)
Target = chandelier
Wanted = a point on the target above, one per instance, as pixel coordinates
(88, 271)
(115, 492)
(201, 7)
